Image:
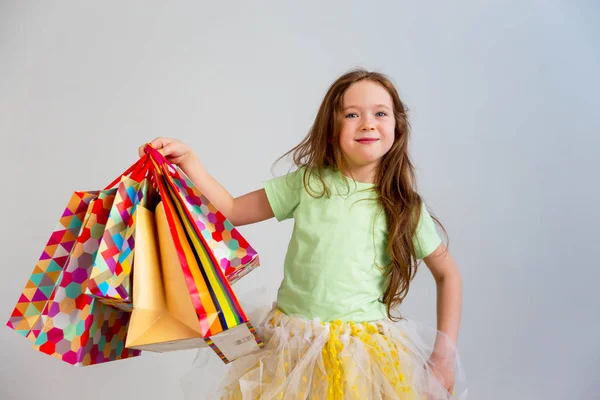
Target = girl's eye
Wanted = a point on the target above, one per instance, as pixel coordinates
(380, 114)
(351, 115)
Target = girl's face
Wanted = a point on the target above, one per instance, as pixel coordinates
(367, 132)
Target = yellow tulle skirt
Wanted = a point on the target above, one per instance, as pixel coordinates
(309, 359)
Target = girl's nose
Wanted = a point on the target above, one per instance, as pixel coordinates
(367, 126)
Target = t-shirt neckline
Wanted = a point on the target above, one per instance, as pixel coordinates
(362, 185)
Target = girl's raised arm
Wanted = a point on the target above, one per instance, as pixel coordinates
(247, 209)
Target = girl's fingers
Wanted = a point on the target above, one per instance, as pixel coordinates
(167, 149)
(156, 143)
(160, 142)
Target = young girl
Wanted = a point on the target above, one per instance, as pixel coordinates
(360, 229)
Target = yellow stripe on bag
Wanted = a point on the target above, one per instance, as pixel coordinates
(228, 312)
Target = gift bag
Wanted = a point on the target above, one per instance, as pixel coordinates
(164, 317)
(78, 328)
(181, 295)
(53, 310)
(110, 277)
(26, 317)
(233, 253)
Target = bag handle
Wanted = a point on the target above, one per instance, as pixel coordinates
(137, 171)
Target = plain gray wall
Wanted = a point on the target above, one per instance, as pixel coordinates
(504, 106)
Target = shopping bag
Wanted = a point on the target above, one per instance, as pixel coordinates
(194, 301)
(53, 310)
(110, 277)
(78, 328)
(26, 317)
(234, 254)
(164, 317)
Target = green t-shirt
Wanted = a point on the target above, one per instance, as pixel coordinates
(330, 269)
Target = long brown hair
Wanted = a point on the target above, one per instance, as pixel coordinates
(395, 177)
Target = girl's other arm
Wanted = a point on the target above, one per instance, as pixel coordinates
(449, 290)
(449, 306)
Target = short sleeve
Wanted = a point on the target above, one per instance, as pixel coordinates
(426, 239)
(284, 193)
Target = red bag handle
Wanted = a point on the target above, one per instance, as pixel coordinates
(137, 171)
(156, 155)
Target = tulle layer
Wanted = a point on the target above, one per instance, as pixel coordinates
(309, 359)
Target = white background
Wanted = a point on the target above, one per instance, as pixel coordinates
(504, 106)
